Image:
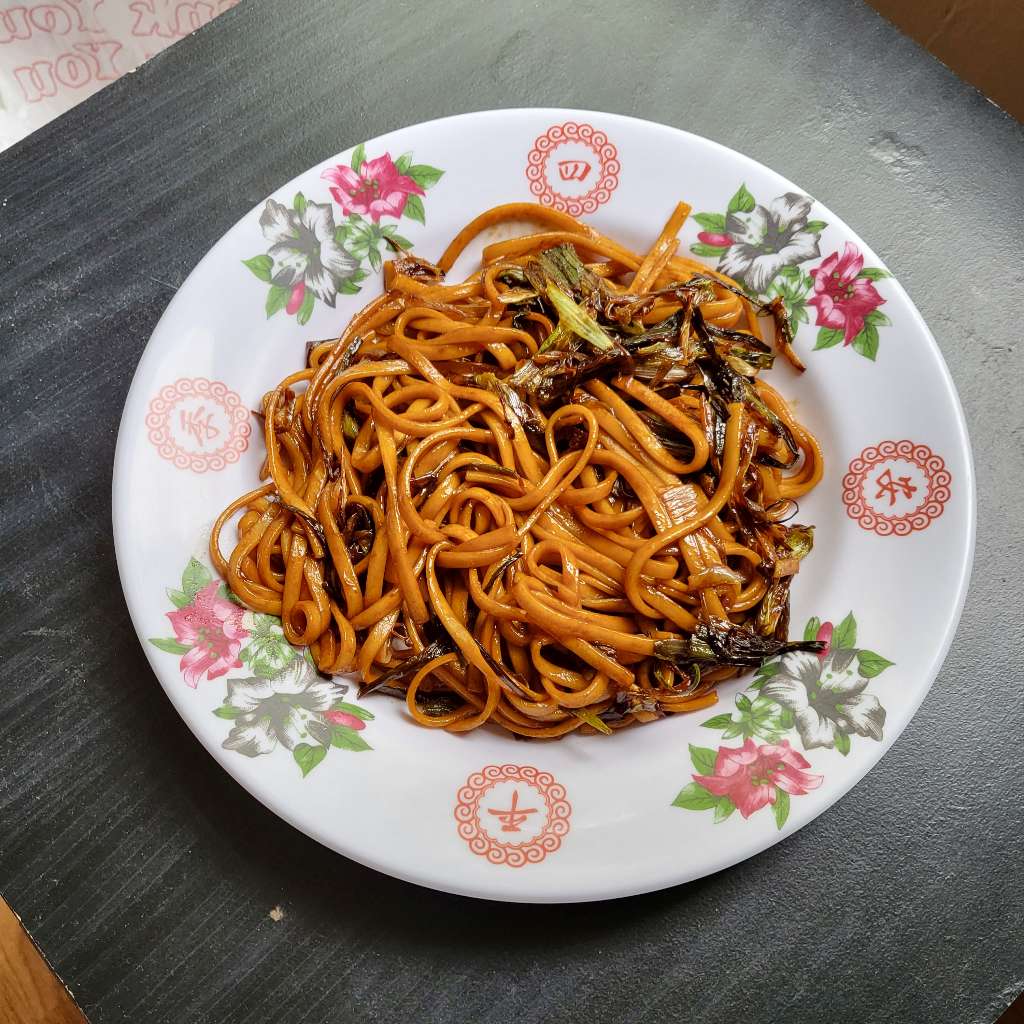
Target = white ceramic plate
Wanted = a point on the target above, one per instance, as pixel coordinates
(596, 816)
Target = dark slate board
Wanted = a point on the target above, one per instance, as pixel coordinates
(147, 875)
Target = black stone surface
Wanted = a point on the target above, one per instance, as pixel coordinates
(147, 875)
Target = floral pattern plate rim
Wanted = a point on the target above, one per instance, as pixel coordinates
(483, 815)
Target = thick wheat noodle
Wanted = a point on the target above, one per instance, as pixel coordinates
(661, 252)
(519, 565)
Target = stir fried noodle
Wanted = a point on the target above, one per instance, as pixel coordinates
(557, 495)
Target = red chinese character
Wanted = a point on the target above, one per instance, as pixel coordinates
(514, 816)
(573, 170)
(199, 424)
(888, 484)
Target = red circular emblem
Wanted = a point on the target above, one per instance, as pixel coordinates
(198, 424)
(896, 487)
(573, 167)
(512, 814)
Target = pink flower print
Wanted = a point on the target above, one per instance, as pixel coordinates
(824, 636)
(344, 718)
(295, 299)
(212, 627)
(750, 776)
(841, 298)
(375, 190)
(716, 238)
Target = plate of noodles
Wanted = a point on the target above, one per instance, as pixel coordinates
(543, 505)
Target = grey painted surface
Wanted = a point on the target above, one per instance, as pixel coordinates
(147, 875)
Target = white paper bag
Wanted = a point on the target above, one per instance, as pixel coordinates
(54, 54)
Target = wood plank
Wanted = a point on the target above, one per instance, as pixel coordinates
(981, 42)
(1014, 1012)
(30, 993)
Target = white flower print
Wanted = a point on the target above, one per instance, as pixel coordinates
(767, 239)
(287, 709)
(304, 249)
(826, 697)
